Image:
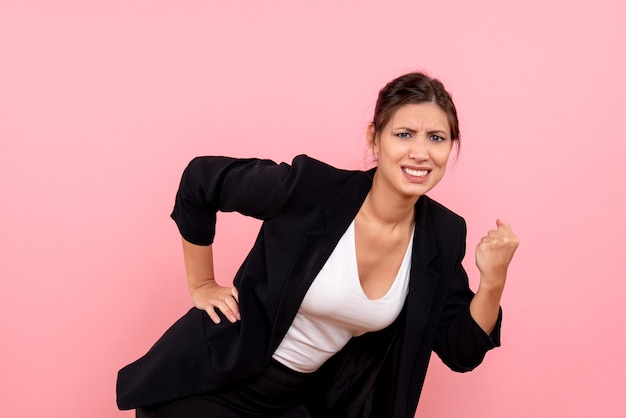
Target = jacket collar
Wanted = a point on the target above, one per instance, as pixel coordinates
(340, 214)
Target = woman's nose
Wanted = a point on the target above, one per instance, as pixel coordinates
(419, 149)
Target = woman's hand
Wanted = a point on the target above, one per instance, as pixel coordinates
(494, 253)
(205, 292)
(211, 296)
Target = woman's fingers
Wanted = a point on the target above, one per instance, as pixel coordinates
(231, 309)
(495, 250)
(212, 314)
(215, 299)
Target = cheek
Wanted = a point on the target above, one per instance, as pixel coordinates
(395, 149)
(441, 157)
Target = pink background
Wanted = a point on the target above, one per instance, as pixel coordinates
(102, 104)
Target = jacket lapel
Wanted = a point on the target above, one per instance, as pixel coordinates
(423, 280)
(316, 249)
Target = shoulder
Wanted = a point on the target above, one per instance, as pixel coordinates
(440, 211)
(322, 167)
(445, 230)
(316, 174)
(443, 219)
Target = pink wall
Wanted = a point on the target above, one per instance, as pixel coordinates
(103, 103)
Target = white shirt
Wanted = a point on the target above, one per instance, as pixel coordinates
(335, 309)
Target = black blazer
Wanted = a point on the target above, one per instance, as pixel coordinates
(306, 207)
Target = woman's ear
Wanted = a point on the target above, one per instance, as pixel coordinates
(372, 138)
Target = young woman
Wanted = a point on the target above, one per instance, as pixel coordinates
(354, 279)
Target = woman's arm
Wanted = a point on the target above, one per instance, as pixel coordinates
(470, 324)
(252, 187)
(493, 256)
(205, 292)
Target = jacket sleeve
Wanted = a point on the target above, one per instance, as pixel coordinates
(460, 342)
(253, 187)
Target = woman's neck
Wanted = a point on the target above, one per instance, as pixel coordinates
(388, 209)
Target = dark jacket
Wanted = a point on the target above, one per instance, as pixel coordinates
(306, 207)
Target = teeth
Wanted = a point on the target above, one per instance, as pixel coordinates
(416, 173)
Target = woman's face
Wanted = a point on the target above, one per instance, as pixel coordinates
(412, 149)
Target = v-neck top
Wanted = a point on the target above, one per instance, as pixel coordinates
(336, 308)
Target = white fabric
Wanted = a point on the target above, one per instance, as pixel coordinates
(336, 309)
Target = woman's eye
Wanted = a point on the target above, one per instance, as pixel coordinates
(403, 135)
(437, 138)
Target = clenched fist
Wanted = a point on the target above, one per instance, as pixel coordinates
(494, 253)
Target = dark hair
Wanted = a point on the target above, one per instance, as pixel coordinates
(414, 88)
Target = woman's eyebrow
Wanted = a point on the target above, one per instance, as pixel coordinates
(438, 131)
(404, 128)
(412, 130)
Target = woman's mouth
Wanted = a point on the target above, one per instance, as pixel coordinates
(415, 173)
